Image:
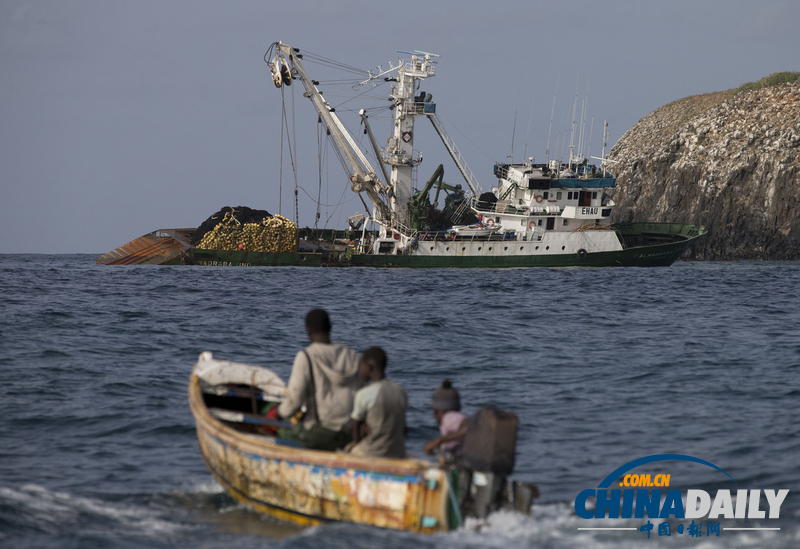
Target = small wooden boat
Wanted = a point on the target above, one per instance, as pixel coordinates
(310, 487)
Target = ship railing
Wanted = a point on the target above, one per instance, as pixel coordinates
(449, 236)
(420, 66)
(393, 158)
(422, 107)
(501, 171)
(466, 205)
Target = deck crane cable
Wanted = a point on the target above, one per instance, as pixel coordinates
(465, 136)
(292, 141)
(528, 133)
(552, 112)
(285, 122)
(294, 166)
(341, 203)
(320, 162)
(320, 60)
(342, 199)
(368, 90)
(280, 169)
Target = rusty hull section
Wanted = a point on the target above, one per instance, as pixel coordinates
(309, 487)
(161, 247)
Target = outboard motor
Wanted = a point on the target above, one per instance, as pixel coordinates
(488, 454)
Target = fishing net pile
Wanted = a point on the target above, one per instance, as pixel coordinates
(246, 229)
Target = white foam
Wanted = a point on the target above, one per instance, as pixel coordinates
(556, 525)
(49, 509)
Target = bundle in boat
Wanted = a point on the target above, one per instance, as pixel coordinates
(270, 233)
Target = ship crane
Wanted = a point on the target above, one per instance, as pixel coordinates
(392, 196)
(363, 177)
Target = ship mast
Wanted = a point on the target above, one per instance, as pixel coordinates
(399, 153)
(391, 200)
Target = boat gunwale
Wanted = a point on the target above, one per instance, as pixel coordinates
(266, 449)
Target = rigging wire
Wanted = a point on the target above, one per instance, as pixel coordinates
(291, 141)
(341, 203)
(291, 155)
(528, 133)
(320, 60)
(294, 165)
(320, 163)
(552, 112)
(368, 90)
(280, 171)
(465, 136)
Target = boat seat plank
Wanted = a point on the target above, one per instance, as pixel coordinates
(232, 416)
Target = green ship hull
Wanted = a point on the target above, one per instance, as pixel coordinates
(646, 245)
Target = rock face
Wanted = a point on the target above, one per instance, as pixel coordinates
(728, 161)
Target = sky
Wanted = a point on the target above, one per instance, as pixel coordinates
(118, 118)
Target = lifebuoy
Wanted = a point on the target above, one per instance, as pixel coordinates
(582, 254)
(538, 197)
(532, 225)
(489, 222)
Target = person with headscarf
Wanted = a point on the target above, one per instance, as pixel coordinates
(452, 423)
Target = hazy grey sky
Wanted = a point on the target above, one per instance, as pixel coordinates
(122, 117)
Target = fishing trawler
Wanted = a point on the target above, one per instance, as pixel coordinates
(535, 215)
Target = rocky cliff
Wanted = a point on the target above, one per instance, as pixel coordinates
(728, 160)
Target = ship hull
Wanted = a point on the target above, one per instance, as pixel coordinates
(647, 245)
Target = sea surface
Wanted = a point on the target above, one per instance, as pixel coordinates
(602, 366)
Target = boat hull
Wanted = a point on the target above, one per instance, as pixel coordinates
(647, 245)
(310, 487)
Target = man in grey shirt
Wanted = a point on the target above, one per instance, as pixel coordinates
(379, 411)
(324, 380)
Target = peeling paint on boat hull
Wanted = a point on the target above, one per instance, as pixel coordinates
(309, 487)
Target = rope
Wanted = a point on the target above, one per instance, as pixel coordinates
(280, 172)
(294, 165)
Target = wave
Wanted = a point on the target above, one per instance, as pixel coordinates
(32, 508)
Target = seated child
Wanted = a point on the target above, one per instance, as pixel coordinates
(452, 423)
(379, 410)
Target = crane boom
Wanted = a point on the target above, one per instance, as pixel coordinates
(363, 176)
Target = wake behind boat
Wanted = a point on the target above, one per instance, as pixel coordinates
(311, 487)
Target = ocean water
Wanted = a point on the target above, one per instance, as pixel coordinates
(602, 366)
